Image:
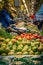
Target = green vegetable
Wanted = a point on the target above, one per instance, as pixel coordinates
(5, 34)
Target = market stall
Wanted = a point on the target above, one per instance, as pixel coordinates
(21, 42)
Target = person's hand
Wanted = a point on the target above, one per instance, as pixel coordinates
(12, 25)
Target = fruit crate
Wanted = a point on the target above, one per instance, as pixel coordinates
(22, 60)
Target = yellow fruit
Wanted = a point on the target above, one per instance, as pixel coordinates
(13, 40)
(31, 53)
(7, 40)
(11, 52)
(19, 53)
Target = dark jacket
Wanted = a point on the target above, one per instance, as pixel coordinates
(5, 18)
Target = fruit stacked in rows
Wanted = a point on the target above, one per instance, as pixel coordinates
(24, 44)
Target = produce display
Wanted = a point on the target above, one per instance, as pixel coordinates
(27, 26)
(24, 44)
(21, 49)
(33, 28)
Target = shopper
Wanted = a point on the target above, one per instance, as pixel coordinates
(5, 15)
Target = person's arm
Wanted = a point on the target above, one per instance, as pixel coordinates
(2, 20)
(7, 17)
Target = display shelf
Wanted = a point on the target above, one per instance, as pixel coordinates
(22, 60)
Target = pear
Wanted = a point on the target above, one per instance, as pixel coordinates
(19, 48)
(14, 47)
(31, 53)
(19, 53)
(25, 48)
(17, 42)
(37, 53)
(7, 40)
(11, 52)
(3, 54)
(25, 53)
(40, 47)
(34, 48)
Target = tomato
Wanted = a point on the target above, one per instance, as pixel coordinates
(32, 37)
(24, 33)
(35, 35)
(28, 37)
(21, 35)
(41, 37)
(17, 37)
(38, 36)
